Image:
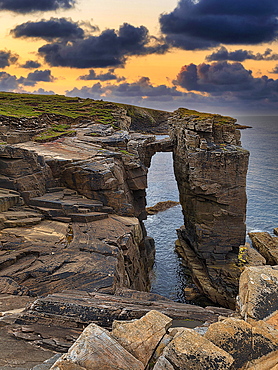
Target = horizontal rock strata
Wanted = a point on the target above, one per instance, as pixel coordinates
(210, 168)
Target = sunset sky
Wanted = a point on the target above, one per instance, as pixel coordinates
(211, 55)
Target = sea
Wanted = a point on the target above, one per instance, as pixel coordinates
(169, 276)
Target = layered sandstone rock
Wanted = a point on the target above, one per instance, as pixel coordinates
(234, 335)
(267, 245)
(210, 168)
(96, 349)
(141, 337)
(258, 292)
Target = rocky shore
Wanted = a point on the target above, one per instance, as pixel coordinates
(74, 250)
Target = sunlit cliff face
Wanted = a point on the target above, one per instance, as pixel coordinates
(208, 54)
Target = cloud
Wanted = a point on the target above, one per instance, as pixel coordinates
(31, 6)
(140, 92)
(8, 82)
(230, 82)
(41, 91)
(222, 87)
(31, 64)
(207, 23)
(275, 69)
(55, 28)
(36, 76)
(7, 58)
(109, 49)
(240, 55)
(110, 75)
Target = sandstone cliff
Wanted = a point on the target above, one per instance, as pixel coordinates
(210, 168)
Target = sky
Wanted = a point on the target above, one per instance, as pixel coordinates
(210, 55)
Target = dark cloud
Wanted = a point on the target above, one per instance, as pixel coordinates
(31, 64)
(110, 75)
(218, 87)
(230, 82)
(7, 58)
(109, 49)
(55, 28)
(139, 92)
(43, 92)
(31, 6)
(275, 69)
(207, 23)
(240, 55)
(8, 82)
(36, 76)
(215, 77)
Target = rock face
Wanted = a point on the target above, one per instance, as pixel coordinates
(23, 171)
(258, 292)
(189, 350)
(232, 335)
(141, 337)
(267, 245)
(210, 168)
(53, 256)
(96, 349)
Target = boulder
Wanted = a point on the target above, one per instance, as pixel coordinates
(97, 349)
(141, 337)
(163, 364)
(268, 362)
(267, 245)
(242, 340)
(258, 292)
(190, 350)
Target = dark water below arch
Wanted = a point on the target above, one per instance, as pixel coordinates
(169, 276)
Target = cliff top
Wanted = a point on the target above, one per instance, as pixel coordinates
(32, 105)
(217, 119)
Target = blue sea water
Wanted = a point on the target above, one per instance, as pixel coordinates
(169, 275)
(262, 179)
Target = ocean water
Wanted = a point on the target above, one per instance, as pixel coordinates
(169, 275)
(262, 179)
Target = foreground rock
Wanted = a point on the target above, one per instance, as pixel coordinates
(258, 293)
(189, 350)
(79, 308)
(96, 349)
(267, 245)
(142, 336)
(233, 335)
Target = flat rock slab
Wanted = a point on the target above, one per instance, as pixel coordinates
(97, 349)
(84, 307)
(10, 302)
(19, 355)
(88, 217)
(67, 202)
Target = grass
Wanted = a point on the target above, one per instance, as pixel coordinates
(217, 118)
(31, 105)
(126, 152)
(54, 132)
